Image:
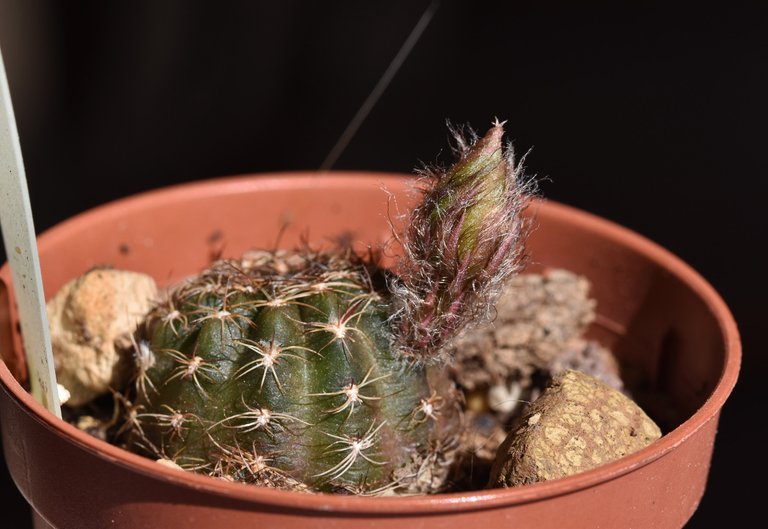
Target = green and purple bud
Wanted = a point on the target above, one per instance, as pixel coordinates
(463, 242)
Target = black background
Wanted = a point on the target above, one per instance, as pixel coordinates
(653, 117)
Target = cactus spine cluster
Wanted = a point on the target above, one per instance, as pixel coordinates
(318, 371)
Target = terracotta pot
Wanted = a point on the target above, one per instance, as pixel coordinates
(674, 335)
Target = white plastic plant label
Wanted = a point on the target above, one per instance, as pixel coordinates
(21, 249)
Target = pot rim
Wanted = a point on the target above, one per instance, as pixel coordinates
(446, 502)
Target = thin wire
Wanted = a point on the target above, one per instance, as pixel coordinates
(378, 90)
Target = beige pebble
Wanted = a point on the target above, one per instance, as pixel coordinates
(578, 423)
(91, 319)
(168, 464)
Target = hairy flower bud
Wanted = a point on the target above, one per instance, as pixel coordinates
(463, 242)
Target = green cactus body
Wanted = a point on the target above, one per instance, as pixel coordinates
(279, 369)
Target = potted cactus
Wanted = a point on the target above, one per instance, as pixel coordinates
(318, 370)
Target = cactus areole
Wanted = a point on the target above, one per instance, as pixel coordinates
(317, 371)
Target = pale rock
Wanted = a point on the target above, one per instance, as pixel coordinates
(91, 320)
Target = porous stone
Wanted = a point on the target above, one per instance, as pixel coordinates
(537, 316)
(504, 366)
(590, 357)
(576, 424)
(91, 322)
